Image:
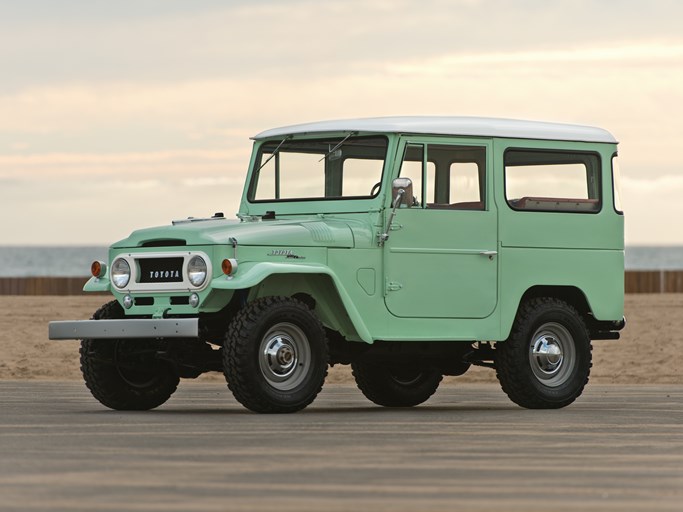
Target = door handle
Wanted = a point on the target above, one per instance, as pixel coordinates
(489, 254)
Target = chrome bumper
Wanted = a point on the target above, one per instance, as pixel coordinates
(116, 329)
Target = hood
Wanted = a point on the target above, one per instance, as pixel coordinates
(218, 231)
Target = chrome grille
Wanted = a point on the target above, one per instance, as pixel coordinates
(161, 270)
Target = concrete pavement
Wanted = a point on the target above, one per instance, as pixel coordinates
(468, 448)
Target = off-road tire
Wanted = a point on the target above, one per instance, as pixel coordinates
(275, 355)
(396, 385)
(124, 374)
(546, 361)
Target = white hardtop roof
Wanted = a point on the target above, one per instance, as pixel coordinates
(462, 126)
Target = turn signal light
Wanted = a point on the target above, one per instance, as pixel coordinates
(229, 266)
(98, 269)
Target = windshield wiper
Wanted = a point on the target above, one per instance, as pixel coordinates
(337, 146)
(274, 153)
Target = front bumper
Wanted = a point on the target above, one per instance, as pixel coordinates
(119, 329)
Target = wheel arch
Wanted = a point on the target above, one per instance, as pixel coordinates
(323, 294)
(572, 295)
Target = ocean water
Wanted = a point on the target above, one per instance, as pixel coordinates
(654, 258)
(49, 261)
(75, 261)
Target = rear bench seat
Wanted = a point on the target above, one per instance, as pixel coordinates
(556, 204)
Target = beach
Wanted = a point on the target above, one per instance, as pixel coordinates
(650, 350)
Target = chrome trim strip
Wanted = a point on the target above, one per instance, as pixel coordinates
(133, 328)
(432, 250)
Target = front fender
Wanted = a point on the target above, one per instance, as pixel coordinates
(251, 274)
(97, 284)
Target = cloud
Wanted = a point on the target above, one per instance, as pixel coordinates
(165, 162)
(659, 187)
(201, 182)
(648, 53)
(160, 101)
(650, 204)
(80, 211)
(276, 40)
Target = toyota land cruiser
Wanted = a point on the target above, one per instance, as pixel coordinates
(408, 247)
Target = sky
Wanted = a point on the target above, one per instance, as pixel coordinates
(128, 114)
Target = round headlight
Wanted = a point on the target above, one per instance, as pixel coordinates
(196, 271)
(120, 273)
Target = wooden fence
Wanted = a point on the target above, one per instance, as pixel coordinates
(654, 281)
(42, 285)
(640, 281)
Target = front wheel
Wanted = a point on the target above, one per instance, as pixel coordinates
(275, 357)
(125, 374)
(546, 361)
(396, 385)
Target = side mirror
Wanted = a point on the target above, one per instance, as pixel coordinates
(400, 189)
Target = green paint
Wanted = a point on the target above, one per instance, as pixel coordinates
(447, 273)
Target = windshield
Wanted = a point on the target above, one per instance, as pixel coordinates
(326, 168)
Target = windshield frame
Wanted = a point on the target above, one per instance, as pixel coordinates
(332, 139)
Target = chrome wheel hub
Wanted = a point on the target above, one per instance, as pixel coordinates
(280, 356)
(552, 354)
(284, 356)
(548, 354)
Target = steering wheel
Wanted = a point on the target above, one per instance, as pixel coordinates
(375, 188)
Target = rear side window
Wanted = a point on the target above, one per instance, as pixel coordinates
(616, 184)
(552, 181)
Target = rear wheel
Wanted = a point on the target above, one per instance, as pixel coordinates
(396, 385)
(125, 374)
(546, 361)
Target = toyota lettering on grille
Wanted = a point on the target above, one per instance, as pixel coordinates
(161, 274)
(161, 270)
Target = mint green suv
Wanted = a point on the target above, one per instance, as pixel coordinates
(408, 247)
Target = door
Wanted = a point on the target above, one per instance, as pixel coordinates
(440, 257)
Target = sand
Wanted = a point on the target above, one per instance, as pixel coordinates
(649, 352)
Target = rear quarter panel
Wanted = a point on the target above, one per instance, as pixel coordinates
(584, 250)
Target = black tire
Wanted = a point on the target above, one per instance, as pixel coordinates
(396, 385)
(275, 357)
(125, 374)
(546, 361)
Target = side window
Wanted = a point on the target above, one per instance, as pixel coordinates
(616, 184)
(552, 181)
(464, 182)
(459, 177)
(454, 177)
